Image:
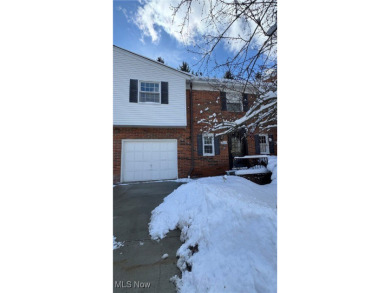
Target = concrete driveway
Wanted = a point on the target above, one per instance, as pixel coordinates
(138, 266)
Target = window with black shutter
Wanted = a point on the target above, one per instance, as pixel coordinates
(149, 92)
(233, 102)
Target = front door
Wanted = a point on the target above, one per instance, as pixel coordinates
(237, 147)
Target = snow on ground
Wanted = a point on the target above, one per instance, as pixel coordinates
(117, 244)
(183, 180)
(228, 227)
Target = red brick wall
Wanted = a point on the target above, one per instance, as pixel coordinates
(204, 165)
(181, 134)
(274, 132)
(208, 165)
(209, 103)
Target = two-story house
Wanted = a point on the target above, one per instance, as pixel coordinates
(160, 123)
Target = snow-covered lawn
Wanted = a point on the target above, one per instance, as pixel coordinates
(228, 226)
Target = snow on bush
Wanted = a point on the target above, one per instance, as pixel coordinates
(253, 170)
(117, 244)
(228, 227)
(272, 166)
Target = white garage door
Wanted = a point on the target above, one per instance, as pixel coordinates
(149, 159)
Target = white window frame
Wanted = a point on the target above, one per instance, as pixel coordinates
(212, 144)
(139, 92)
(239, 99)
(267, 144)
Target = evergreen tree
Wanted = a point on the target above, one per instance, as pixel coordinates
(184, 67)
(228, 75)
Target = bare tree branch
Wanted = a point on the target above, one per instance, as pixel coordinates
(250, 27)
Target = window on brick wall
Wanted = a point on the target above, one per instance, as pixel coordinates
(208, 145)
(264, 144)
(234, 102)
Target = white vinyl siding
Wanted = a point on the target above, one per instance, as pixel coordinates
(129, 66)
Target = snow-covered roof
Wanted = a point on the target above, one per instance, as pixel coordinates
(216, 82)
(223, 83)
(203, 79)
(154, 61)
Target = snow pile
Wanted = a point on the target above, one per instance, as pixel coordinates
(117, 244)
(272, 166)
(228, 226)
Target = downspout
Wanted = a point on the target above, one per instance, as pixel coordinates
(191, 133)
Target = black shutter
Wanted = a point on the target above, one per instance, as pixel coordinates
(133, 91)
(200, 145)
(245, 102)
(257, 144)
(271, 144)
(223, 101)
(164, 92)
(216, 145)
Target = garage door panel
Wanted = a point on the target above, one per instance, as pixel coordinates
(147, 156)
(170, 172)
(156, 175)
(143, 175)
(163, 156)
(129, 156)
(148, 147)
(130, 176)
(138, 146)
(172, 156)
(137, 176)
(157, 166)
(138, 156)
(155, 156)
(144, 160)
(130, 147)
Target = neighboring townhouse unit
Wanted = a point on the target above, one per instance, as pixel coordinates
(160, 123)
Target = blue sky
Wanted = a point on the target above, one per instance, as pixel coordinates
(127, 35)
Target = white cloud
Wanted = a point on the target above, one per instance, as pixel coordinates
(145, 20)
(125, 13)
(157, 15)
